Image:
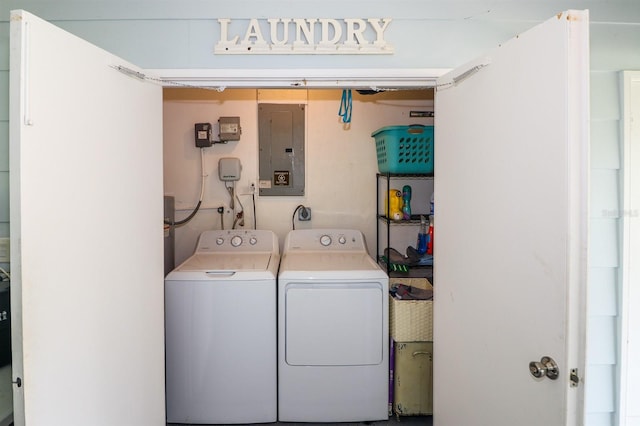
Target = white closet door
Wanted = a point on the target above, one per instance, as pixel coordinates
(510, 254)
(86, 230)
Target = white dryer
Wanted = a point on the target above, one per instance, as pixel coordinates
(332, 329)
(220, 321)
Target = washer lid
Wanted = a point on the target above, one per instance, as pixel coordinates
(226, 262)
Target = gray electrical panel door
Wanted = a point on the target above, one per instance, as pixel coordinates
(281, 142)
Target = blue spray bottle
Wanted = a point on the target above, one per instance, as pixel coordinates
(421, 246)
(406, 202)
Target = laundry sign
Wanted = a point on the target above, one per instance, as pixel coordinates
(319, 36)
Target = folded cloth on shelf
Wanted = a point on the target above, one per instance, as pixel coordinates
(396, 257)
(407, 292)
(419, 259)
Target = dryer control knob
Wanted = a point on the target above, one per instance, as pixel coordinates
(236, 241)
(325, 240)
(342, 239)
(219, 241)
(253, 241)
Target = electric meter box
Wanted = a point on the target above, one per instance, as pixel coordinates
(229, 128)
(203, 134)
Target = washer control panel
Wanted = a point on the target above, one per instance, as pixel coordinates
(325, 239)
(237, 240)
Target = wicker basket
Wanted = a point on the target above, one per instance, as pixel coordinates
(411, 320)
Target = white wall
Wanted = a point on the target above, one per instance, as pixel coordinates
(341, 162)
(604, 259)
(4, 134)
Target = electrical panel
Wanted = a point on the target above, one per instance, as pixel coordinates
(281, 130)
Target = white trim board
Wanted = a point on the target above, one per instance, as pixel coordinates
(380, 79)
(629, 411)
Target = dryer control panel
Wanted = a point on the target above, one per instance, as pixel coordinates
(325, 239)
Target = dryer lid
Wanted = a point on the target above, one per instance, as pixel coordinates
(328, 261)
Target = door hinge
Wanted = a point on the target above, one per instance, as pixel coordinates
(573, 378)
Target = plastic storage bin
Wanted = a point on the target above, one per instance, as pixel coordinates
(404, 149)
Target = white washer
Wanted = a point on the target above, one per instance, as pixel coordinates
(332, 329)
(220, 321)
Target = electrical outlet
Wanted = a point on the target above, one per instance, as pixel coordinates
(304, 213)
(5, 253)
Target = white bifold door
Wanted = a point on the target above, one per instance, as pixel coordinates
(511, 167)
(86, 232)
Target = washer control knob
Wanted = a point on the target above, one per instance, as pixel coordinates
(236, 241)
(325, 240)
(253, 241)
(342, 239)
(219, 241)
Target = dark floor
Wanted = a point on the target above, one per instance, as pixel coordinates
(399, 421)
(403, 420)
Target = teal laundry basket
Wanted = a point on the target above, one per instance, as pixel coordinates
(404, 149)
